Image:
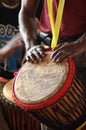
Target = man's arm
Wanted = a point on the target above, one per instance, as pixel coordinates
(11, 46)
(27, 23)
(28, 30)
(69, 50)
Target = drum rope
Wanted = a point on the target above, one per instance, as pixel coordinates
(55, 26)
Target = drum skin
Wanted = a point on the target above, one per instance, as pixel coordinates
(63, 105)
(17, 118)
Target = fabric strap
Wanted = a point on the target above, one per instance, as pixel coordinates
(55, 26)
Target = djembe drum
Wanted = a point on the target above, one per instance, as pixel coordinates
(52, 92)
(16, 118)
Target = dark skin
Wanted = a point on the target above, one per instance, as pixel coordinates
(28, 30)
(69, 50)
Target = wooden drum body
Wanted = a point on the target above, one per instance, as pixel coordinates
(52, 93)
(16, 118)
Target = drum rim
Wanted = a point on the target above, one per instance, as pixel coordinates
(52, 100)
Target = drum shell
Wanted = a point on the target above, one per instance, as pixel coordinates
(69, 112)
(17, 118)
(66, 113)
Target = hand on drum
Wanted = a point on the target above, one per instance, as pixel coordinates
(36, 53)
(68, 50)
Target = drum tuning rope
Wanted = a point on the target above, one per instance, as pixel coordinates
(55, 26)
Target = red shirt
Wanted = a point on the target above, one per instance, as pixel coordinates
(73, 21)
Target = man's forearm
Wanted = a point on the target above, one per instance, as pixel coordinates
(28, 29)
(27, 22)
(11, 46)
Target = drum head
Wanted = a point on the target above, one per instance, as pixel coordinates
(38, 83)
(7, 90)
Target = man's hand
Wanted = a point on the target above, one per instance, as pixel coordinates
(69, 50)
(36, 53)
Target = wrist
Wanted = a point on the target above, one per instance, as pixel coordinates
(29, 45)
(82, 38)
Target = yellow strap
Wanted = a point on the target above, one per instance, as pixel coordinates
(50, 12)
(55, 26)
